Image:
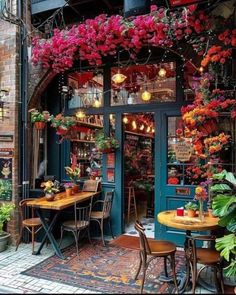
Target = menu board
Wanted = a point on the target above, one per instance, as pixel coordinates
(6, 179)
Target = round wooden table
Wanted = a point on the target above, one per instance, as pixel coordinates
(169, 218)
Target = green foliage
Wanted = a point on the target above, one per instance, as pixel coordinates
(191, 206)
(37, 116)
(63, 122)
(105, 142)
(5, 214)
(220, 187)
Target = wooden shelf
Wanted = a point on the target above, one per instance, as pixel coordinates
(82, 140)
(89, 124)
(139, 134)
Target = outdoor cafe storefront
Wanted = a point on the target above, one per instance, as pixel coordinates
(142, 103)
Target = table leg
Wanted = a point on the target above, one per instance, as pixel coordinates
(48, 233)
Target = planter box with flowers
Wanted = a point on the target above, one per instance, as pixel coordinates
(39, 118)
(106, 144)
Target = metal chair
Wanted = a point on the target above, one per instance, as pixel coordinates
(32, 224)
(104, 213)
(80, 223)
(151, 249)
(207, 257)
(90, 186)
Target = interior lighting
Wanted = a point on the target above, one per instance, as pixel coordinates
(97, 103)
(153, 130)
(201, 69)
(162, 72)
(141, 127)
(148, 129)
(125, 120)
(118, 78)
(80, 114)
(146, 95)
(134, 125)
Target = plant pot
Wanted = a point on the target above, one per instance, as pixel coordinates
(39, 125)
(49, 197)
(61, 131)
(191, 213)
(75, 189)
(4, 241)
(69, 191)
(107, 151)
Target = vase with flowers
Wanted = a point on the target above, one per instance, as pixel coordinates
(74, 175)
(201, 196)
(39, 118)
(49, 189)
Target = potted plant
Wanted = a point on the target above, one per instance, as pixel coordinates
(63, 124)
(106, 144)
(5, 215)
(191, 208)
(74, 175)
(39, 118)
(49, 190)
(68, 188)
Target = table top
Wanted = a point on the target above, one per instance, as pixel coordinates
(169, 218)
(61, 201)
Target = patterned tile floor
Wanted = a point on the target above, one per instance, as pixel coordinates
(12, 263)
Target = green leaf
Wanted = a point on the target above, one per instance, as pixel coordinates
(220, 176)
(226, 245)
(230, 178)
(229, 221)
(220, 188)
(230, 270)
(221, 204)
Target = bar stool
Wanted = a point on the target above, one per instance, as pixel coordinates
(131, 202)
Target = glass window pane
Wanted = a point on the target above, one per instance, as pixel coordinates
(143, 84)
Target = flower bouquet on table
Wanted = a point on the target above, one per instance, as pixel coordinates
(74, 173)
(49, 189)
(201, 195)
(39, 118)
(106, 144)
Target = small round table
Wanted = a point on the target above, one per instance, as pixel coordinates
(170, 218)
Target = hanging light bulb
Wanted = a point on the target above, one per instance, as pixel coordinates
(141, 127)
(80, 114)
(134, 125)
(118, 78)
(153, 130)
(146, 95)
(125, 120)
(162, 72)
(148, 129)
(201, 69)
(97, 103)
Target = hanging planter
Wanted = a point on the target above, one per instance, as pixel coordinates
(61, 131)
(106, 144)
(40, 125)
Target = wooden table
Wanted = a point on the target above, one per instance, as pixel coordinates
(169, 218)
(60, 202)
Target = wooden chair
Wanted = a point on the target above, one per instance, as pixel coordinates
(131, 202)
(103, 213)
(207, 257)
(90, 185)
(80, 222)
(32, 224)
(151, 249)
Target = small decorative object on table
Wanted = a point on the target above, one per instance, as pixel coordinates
(49, 190)
(68, 187)
(191, 208)
(201, 196)
(74, 175)
(180, 211)
(39, 118)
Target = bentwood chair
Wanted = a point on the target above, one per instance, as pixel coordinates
(32, 224)
(103, 213)
(151, 249)
(203, 257)
(79, 223)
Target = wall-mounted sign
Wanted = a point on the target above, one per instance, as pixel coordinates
(183, 151)
(6, 179)
(184, 191)
(6, 152)
(6, 137)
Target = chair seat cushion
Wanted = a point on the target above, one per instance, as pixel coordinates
(207, 256)
(32, 222)
(96, 215)
(162, 248)
(80, 224)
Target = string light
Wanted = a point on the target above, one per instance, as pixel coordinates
(141, 127)
(134, 125)
(148, 129)
(125, 120)
(146, 95)
(201, 69)
(118, 78)
(80, 114)
(162, 72)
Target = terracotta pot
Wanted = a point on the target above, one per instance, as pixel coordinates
(39, 125)
(61, 131)
(191, 213)
(50, 197)
(75, 189)
(68, 191)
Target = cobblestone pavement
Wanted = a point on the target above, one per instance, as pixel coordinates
(12, 263)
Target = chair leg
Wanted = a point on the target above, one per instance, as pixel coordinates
(144, 276)
(76, 235)
(19, 240)
(165, 266)
(109, 221)
(139, 266)
(174, 273)
(128, 215)
(194, 278)
(32, 239)
(101, 227)
(89, 236)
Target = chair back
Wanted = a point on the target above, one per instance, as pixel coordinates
(22, 207)
(82, 215)
(107, 204)
(90, 186)
(143, 241)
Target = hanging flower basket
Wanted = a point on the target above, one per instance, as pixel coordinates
(39, 125)
(61, 131)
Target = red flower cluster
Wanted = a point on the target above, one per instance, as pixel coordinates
(216, 54)
(173, 180)
(228, 37)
